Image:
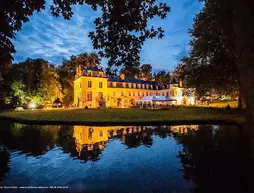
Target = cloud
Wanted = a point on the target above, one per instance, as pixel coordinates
(167, 53)
(53, 38)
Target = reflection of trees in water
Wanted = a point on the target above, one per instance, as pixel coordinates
(92, 151)
(136, 139)
(30, 139)
(216, 160)
(66, 140)
(162, 131)
(4, 161)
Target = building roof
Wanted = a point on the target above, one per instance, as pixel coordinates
(94, 69)
(131, 80)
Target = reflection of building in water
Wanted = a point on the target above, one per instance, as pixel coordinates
(183, 128)
(90, 140)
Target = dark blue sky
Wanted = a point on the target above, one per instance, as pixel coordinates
(53, 39)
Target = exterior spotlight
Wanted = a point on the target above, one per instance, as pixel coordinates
(32, 105)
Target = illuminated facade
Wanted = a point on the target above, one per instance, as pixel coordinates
(92, 88)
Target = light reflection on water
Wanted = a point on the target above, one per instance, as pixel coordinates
(184, 158)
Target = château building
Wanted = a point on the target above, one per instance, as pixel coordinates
(93, 88)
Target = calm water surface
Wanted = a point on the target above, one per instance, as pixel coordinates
(185, 158)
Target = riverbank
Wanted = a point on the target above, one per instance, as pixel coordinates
(125, 116)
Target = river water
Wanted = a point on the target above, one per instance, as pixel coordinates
(170, 159)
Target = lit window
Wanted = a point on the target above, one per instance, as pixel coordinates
(89, 84)
(114, 93)
(89, 96)
(114, 84)
(121, 93)
(101, 133)
(90, 133)
(80, 85)
(129, 93)
(100, 96)
(100, 84)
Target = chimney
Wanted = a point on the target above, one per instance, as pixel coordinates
(180, 83)
(78, 71)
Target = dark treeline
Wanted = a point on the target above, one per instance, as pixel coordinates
(40, 82)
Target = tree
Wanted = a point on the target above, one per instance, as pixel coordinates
(212, 62)
(50, 87)
(243, 30)
(146, 70)
(18, 95)
(37, 79)
(129, 71)
(162, 77)
(119, 34)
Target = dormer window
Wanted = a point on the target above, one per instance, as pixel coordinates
(114, 84)
(129, 85)
(124, 85)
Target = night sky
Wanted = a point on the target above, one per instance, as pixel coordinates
(53, 39)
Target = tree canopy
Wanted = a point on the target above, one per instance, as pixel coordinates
(33, 80)
(119, 34)
(212, 62)
(162, 77)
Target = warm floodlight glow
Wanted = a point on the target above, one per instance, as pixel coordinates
(32, 105)
(179, 100)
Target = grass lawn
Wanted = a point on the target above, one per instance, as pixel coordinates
(233, 104)
(124, 116)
